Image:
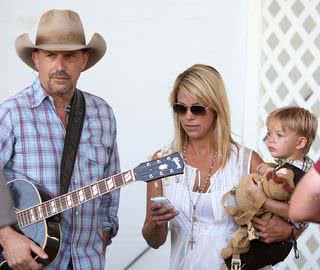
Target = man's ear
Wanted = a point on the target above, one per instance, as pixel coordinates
(301, 143)
(86, 56)
(35, 58)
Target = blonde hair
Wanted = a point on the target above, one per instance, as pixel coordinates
(297, 119)
(204, 83)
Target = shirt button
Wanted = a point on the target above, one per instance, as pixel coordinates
(77, 213)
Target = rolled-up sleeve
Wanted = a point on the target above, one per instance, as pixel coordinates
(7, 215)
(6, 136)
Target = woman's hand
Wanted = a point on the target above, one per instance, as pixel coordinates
(162, 213)
(272, 230)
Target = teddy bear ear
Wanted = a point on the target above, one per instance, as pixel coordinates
(286, 173)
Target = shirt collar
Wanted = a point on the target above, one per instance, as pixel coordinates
(304, 165)
(38, 94)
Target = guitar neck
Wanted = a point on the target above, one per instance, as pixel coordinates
(72, 199)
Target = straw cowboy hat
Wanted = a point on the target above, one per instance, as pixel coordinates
(60, 30)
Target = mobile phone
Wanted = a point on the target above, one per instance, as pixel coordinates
(162, 200)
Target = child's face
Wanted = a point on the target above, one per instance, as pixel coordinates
(282, 142)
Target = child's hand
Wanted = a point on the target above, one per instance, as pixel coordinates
(263, 169)
(255, 189)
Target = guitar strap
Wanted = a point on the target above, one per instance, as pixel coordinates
(72, 138)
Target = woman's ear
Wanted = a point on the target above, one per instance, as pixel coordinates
(301, 143)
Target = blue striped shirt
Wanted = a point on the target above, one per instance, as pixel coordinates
(31, 145)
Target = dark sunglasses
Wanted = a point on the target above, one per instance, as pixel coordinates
(195, 109)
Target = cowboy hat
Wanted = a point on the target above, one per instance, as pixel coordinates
(60, 30)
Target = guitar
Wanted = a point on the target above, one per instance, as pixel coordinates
(36, 212)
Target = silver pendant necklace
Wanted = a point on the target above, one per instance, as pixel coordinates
(200, 191)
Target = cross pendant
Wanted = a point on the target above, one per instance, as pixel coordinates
(191, 242)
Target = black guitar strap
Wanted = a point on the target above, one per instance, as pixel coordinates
(72, 139)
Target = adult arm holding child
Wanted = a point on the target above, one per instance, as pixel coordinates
(305, 201)
(275, 229)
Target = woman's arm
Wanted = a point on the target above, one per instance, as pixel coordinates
(275, 229)
(155, 228)
(279, 208)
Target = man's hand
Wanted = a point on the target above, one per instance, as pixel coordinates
(272, 230)
(17, 250)
(105, 240)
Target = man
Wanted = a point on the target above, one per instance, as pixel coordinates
(32, 129)
(305, 201)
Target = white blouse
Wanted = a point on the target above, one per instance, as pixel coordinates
(212, 226)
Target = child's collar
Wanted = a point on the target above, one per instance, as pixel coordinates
(304, 165)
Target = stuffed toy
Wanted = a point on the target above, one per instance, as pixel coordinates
(277, 185)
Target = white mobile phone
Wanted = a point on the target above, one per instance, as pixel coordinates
(162, 200)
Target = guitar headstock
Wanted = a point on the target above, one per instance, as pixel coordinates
(154, 169)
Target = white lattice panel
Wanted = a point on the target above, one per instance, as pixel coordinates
(290, 75)
(290, 70)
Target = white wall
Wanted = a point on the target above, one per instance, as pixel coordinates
(149, 43)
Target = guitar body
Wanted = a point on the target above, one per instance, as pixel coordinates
(44, 233)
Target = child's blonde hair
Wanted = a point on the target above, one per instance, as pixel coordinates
(298, 119)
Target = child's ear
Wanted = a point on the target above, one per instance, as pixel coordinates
(301, 143)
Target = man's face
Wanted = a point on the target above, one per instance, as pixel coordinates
(59, 71)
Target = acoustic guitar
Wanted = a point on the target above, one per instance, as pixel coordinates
(36, 213)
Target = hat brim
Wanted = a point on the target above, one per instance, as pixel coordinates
(96, 48)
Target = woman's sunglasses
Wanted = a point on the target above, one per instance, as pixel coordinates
(195, 109)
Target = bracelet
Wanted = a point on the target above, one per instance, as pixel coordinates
(293, 240)
(298, 226)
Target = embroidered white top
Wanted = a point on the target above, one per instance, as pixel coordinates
(212, 226)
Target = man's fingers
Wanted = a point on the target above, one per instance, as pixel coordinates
(34, 265)
(38, 251)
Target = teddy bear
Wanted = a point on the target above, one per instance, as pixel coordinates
(276, 184)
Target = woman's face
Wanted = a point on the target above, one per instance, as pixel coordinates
(197, 127)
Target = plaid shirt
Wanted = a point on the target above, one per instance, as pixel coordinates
(31, 145)
(304, 165)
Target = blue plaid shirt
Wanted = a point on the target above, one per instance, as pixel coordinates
(31, 145)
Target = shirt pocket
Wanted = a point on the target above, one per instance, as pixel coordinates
(94, 159)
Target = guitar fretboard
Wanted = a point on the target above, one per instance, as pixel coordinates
(72, 199)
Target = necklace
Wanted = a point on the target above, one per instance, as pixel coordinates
(200, 191)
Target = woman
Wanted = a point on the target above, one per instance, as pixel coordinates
(199, 225)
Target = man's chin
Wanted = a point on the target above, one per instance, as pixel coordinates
(60, 89)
